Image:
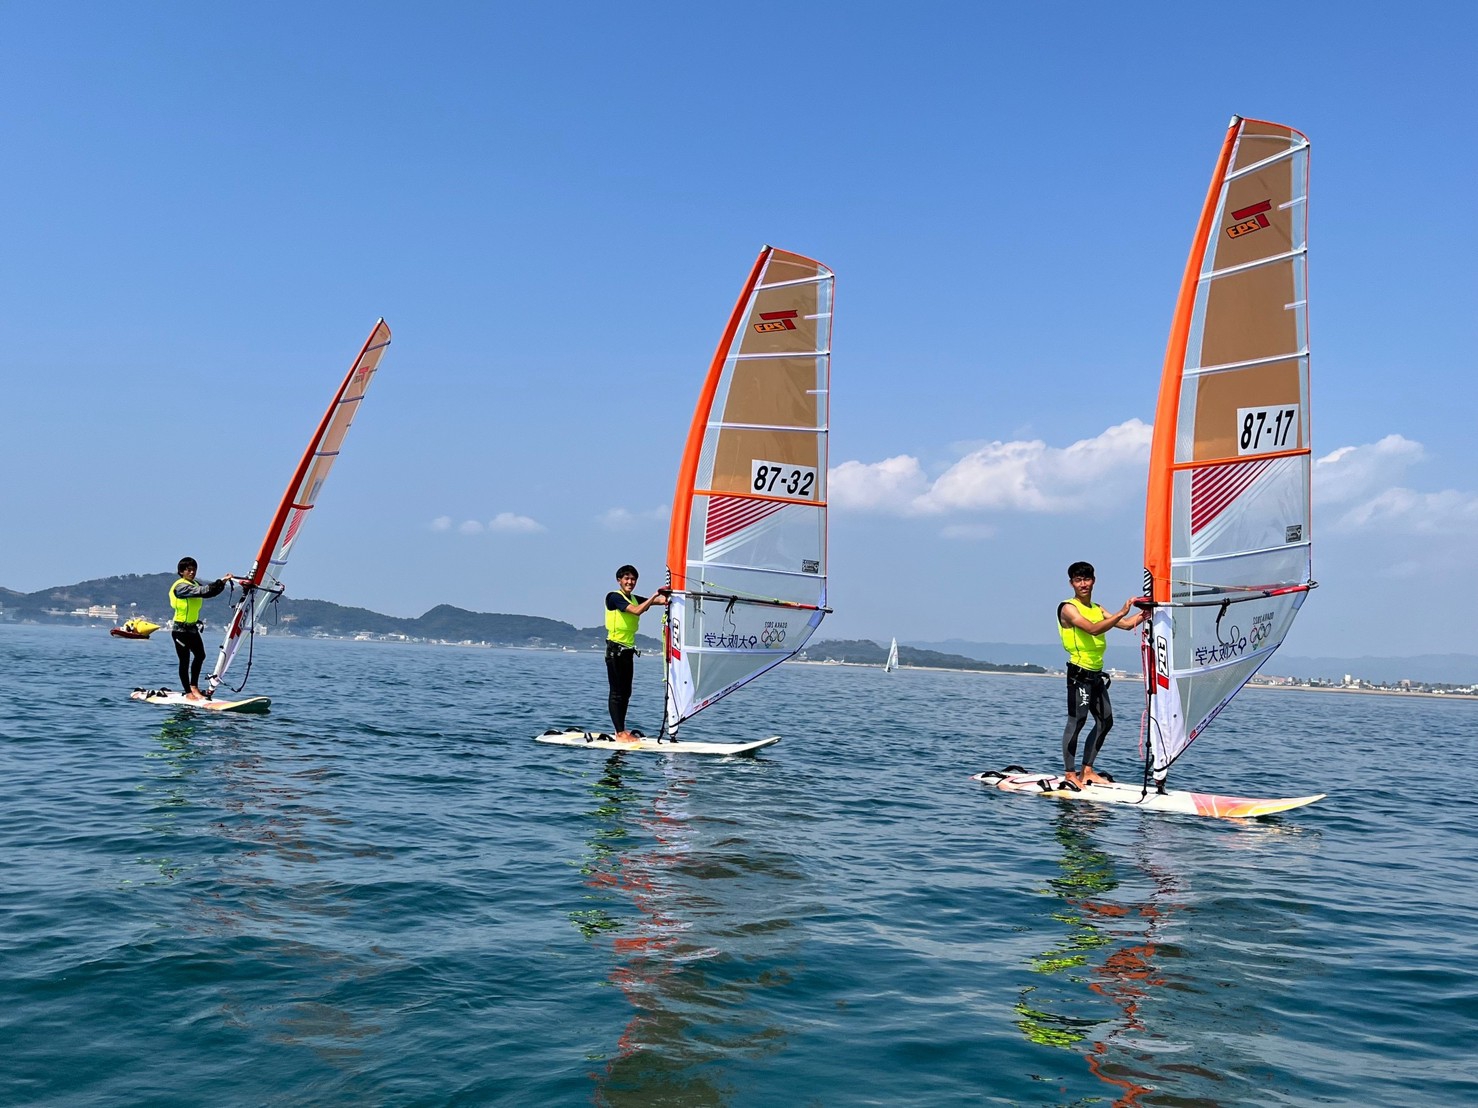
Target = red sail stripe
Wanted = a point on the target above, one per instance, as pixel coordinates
(729, 514)
(1213, 488)
(292, 527)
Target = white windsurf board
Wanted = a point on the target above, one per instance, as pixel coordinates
(1122, 792)
(172, 699)
(599, 740)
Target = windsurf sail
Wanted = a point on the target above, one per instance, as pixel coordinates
(746, 553)
(1227, 515)
(892, 663)
(263, 584)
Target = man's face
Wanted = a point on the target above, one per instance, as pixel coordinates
(627, 581)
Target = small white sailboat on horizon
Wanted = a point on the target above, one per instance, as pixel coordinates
(892, 663)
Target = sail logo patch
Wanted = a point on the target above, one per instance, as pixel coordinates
(774, 632)
(1162, 662)
(810, 565)
(776, 321)
(1249, 219)
(1294, 532)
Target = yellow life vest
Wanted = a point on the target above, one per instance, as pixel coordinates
(621, 626)
(185, 610)
(1083, 649)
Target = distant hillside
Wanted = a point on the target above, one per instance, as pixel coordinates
(149, 592)
(867, 653)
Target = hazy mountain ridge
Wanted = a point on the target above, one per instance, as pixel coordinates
(446, 622)
(149, 592)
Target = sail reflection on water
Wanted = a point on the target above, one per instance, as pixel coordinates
(1115, 946)
(689, 905)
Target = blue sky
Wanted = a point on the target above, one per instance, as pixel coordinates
(206, 208)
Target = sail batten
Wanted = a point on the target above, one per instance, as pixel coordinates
(1228, 528)
(746, 556)
(262, 585)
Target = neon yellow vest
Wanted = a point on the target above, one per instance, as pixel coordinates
(185, 611)
(1083, 649)
(621, 626)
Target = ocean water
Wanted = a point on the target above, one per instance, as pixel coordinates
(384, 893)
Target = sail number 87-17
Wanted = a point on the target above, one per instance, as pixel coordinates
(1261, 430)
(777, 479)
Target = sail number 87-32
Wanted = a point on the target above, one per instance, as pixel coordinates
(776, 479)
(1261, 430)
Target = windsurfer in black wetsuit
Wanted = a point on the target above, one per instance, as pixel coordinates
(185, 597)
(623, 611)
(1083, 626)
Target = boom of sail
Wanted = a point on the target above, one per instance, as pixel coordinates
(263, 584)
(746, 554)
(1227, 515)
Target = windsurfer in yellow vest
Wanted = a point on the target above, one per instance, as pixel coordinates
(623, 612)
(185, 598)
(1083, 626)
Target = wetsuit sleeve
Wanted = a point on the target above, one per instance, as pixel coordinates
(205, 592)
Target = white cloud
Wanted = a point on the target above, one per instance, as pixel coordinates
(1354, 473)
(623, 519)
(1359, 489)
(1026, 476)
(509, 523)
(891, 485)
(505, 522)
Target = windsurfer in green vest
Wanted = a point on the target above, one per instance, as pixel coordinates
(185, 598)
(1083, 626)
(623, 612)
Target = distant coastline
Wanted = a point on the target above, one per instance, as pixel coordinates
(111, 600)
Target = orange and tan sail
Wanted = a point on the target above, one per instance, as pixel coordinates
(746, 554)
(1227, 515)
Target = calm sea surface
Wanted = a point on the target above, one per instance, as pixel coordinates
(384, 893)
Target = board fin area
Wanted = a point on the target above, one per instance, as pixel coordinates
(169, 698)
(600, 740)
(1014, 779)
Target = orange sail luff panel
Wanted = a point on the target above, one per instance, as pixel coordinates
(1157, 525)
(682, 497)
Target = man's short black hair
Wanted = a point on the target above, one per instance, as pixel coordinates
(1081, 569)
(624, 570)
(186, 563)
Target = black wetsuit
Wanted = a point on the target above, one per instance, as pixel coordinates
(620, 663)
(1087, 694)
(189, 647)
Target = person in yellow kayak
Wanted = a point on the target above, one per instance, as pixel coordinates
(1083, 626)
(185, 598)
(623, 613)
